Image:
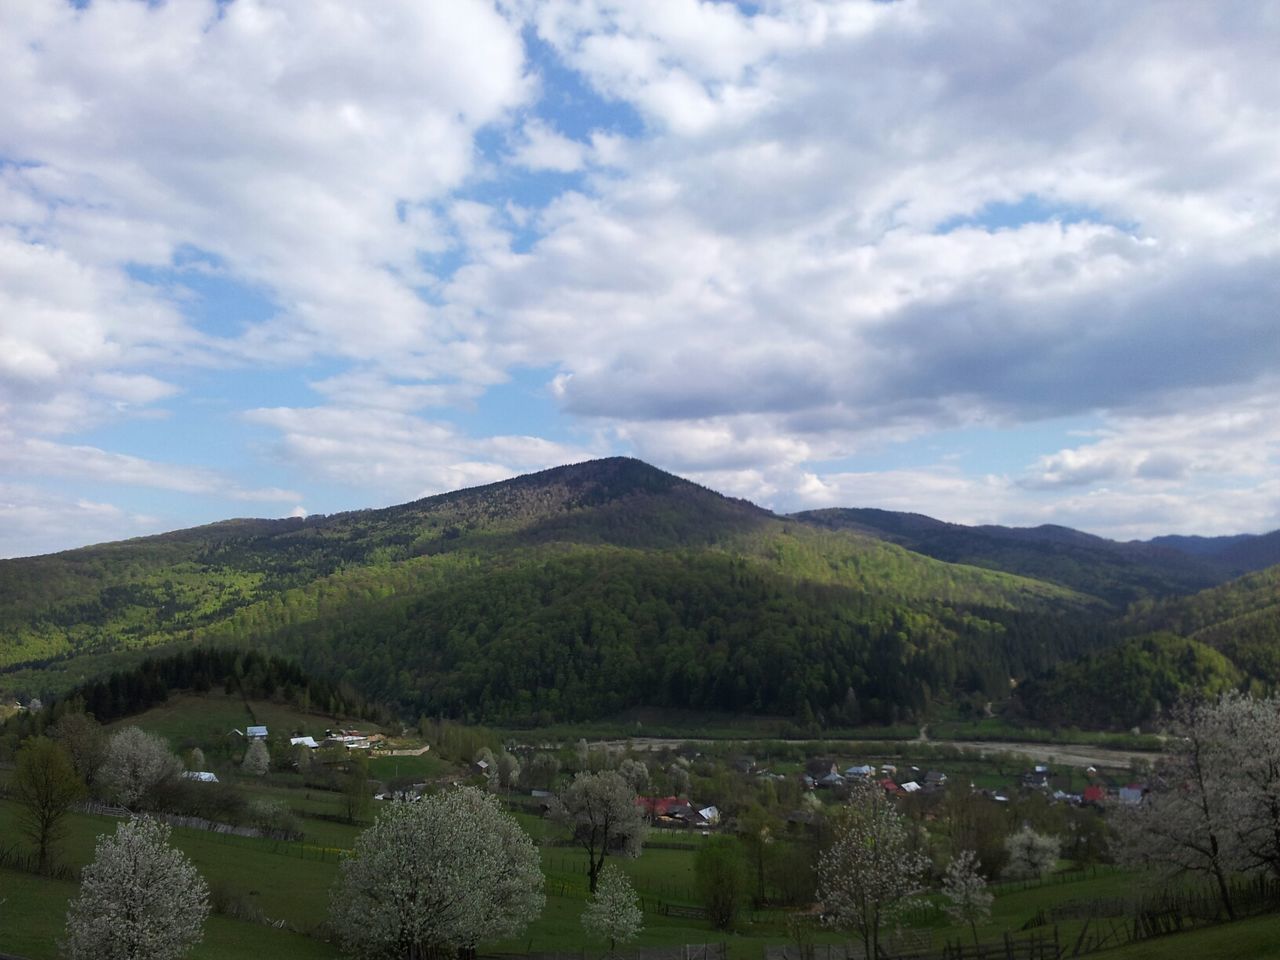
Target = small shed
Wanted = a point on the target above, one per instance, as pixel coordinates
(258, 732)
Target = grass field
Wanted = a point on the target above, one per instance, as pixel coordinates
(32, 911)
(190, 718)
(1254, 939)
(284, 886)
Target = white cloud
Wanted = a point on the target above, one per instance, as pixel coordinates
(45, 458)
(398, 456)
(35, 521)
(797, 255)
(542, 148)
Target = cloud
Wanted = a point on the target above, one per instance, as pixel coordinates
(34, 521)
(45, 458)
(398, 456)
(785, 236)
(542, 148)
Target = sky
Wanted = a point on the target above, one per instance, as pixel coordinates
(993, 262)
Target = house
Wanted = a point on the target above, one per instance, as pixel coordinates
(308, 742)
(1095, 793)
(258, 732)
(831, 780)
(711, 815)
(890, 787)
(861, 770)
(659, 807)
(199, 776)
(935, 779)
(911, 787)
(1037, 779)
(1133, 793)
(888, 769)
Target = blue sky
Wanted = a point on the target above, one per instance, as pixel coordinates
(994, 263)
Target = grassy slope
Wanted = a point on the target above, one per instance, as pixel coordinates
(190, 718)
(33, 910)
(296, 890)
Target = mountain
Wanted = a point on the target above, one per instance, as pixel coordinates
(1234, 555)
(1240, 618)
(1120, 573)
(569, 593)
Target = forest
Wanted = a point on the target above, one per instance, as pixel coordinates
(585, 590)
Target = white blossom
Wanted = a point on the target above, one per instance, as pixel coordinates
(139, 898)
(1031, 854)
(968, 899)
(635, 772)
(613, 913)
(447, 872)
(601, 812)
(1189, 822)
(867, 875)
(137, 763)
(257, 759)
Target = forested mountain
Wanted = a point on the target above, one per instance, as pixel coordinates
(1129, 684)
(1234, 555)
(1240, 618)
(568, 593)
(1120, 573)
(579, 591)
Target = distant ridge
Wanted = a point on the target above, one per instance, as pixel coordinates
(1122, 573)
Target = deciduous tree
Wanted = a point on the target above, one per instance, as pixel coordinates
(613, 913)
(600, 811)
(444, 873)
(139, 898)
(257, 759)
(721, 877)
(1187, 823)
(1031, 854)
(968, 899)
(137, 765)
(45, 785)
(868, 873)
(85, 742)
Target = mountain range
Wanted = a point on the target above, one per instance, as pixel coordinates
(579, 591)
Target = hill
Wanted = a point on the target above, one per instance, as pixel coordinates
(1234, 555)
(562, 594)
(1120, 573)
(1240, 618)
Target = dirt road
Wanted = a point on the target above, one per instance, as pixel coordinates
(1071, 754)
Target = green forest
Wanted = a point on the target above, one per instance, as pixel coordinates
(583, 591)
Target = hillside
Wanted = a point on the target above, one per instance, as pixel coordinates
(1234, 555)
(1120, 573)
(1240, 618)
(562, 594)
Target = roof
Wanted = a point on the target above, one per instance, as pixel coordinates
(256, 731)
(910, 787)
(303, 742)
(860, 771)
(660, 806)
(203, 776)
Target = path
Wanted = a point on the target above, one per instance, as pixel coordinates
(1071, 754)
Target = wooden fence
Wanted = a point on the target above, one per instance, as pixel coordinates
(687, 951)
